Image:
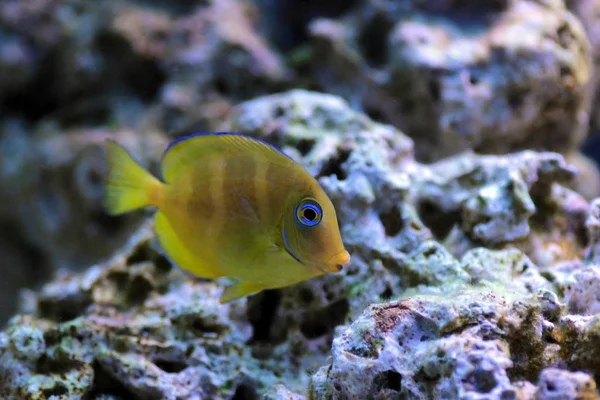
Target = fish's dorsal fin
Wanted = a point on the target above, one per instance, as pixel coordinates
(188, 149)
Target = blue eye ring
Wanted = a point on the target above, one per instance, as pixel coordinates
(308, 213)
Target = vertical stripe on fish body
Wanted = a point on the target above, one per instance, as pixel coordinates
(231, 205)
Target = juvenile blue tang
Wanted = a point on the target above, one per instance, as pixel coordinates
(234, 206)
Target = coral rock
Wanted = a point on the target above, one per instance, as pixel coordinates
(429, 348)
(555, 384)
(131, 328)
(493, 77)
(491, 316)
(501, 201)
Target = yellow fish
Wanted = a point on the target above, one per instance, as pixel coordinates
(232, 206)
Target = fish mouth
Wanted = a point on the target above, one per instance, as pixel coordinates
(335, 263)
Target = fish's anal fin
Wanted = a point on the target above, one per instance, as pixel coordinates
(176, 252)
(238, 290)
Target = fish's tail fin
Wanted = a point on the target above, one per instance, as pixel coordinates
(128, 185)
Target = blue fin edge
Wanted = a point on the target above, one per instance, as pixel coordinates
(192, 135)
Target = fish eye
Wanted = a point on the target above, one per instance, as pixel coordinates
(308, 213)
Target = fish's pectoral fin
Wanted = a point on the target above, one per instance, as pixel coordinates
(238, 290)
(176, 251)
(248, 210)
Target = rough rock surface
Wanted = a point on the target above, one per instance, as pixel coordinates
(496, 322)
(489, 266)
(63, 216)
(588, 12)
(72, 71)
(184, 54)
(587, 180)
(501, 202)
(493, 77)
(51, 191)
(474, 344)
(132, 328)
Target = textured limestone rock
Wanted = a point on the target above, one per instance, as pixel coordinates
(472, 345)
(580, 336)
(579, 280)
(496, 266)
(483, 322)
(28, 35)
(132, 328)
(108, 60)
(493, 76)
(592, 254)
(587, 180)
(280, 392)
(429, 348)
(388, 255)
(51, 196)
(503, 201)
(559, 384)
(588, 12)
(61, 175)
(582, 290)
